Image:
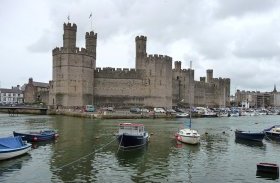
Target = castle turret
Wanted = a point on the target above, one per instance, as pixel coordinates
(178, 65)
(69, 36)
(209, 75)
(141, 53)
(91, 41)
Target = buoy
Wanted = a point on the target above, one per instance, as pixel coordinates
(224, 132)
(256, 123)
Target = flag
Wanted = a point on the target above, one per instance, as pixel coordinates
(90, 15)
(68, 17)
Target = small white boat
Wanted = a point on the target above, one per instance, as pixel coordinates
(11, 147)
(188, 136)
(182, 115)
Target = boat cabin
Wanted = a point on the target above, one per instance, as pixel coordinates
(276, 130)
(131, 129)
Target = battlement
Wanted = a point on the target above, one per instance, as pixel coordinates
(143, 38)
(158, 58)
(118, 73)
(69, 26)
(80, 51)
(91, 34)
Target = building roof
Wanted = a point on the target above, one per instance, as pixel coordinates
(4, 90)
(37, 84)
(40, 84)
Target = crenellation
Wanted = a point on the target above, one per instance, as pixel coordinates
(69, 26)
(143, 38)
(91, 34)
(79, 51)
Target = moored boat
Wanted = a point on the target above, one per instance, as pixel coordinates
(268, 168)
(273, 133)
(188, 136)
(37, 136)
(255, 136)
(132, 135)
(182, 115)
(11, 147)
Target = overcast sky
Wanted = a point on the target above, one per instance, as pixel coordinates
(238, 39)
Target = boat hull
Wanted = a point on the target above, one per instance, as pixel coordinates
(249, 136)
(37, 137)
(272, 136)
(11, 153)
(268, 168)
(133, 141)
(188, 139)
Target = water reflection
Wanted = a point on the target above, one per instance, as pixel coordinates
(36, 145)
(130, 157)
(14, 164)
(267, 176)
(250, 143)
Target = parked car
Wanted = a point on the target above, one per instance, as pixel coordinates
(110, 109)
(135, 110)
(144, 110)
(172, 111)
(89, 108)
(159, 110)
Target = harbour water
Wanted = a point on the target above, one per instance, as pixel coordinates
(86, 151)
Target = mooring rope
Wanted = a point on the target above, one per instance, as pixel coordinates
(120, 144)
(68, 164)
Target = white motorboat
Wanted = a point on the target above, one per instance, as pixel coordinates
(188, 136)
(182, 115)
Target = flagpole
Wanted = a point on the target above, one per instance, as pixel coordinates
(90, 16)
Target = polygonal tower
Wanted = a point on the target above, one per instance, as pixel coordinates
(91, 43)
(69, 36)
(73, 70)
(141, 53)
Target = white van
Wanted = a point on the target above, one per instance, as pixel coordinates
(159, 110)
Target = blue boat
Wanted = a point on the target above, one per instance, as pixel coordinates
(38, 136)
(132, 135)
(11, 147)
(273, 133)
(254, 136)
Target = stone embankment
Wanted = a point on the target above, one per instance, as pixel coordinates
(119, 114)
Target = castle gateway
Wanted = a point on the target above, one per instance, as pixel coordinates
(153, 82)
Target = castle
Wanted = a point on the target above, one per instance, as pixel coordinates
(153, 82)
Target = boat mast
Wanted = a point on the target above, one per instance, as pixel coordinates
(190, 94)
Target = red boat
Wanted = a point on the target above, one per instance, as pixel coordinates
(268, 168)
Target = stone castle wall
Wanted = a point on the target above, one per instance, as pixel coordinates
(153, 82)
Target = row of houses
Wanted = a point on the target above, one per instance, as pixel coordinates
(29, 93)
(257, 99)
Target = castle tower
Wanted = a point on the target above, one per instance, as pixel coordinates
(73, 70)
(141, 53)
(69, 36)
(209, 75)
(178, 65)
(91, 40)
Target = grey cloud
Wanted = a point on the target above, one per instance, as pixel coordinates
(243, 7)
